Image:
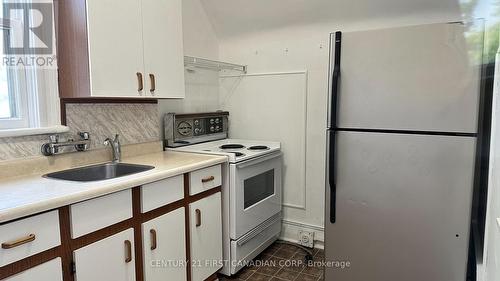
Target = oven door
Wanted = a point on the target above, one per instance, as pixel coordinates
(255, 193)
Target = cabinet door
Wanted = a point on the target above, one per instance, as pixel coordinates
(163, 48)
(110, 259)
(206, 236)
(51, 270)
(115, 47)
(164, 244)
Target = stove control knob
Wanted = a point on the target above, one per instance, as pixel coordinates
(212, 129)
(217, 128)
(217, 121)
(197, 131)
(212, 121)
(197, 122)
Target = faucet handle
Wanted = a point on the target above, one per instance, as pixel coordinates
(84, 135)
(54, 138)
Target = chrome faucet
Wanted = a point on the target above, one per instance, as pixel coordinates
(116, 147)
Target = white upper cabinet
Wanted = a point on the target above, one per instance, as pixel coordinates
(163, 48)
(115, 47)
(135, 50)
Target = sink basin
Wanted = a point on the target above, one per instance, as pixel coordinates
(99, 172)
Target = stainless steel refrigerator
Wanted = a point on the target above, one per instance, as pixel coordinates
(402, 135)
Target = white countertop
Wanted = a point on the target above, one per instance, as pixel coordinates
(28, 195)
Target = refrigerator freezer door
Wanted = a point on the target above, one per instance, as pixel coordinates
(419, 78)
(402, 207)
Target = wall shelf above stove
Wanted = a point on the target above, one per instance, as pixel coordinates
(212, 64)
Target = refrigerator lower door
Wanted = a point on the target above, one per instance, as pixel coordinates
(402, 207)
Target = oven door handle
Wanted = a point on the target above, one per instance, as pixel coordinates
(257, 161)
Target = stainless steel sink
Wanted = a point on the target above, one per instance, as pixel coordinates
(99, 172)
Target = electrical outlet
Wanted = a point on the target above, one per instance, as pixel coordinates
(306, 238)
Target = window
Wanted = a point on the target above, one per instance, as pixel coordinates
(28, 69)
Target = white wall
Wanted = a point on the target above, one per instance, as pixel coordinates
(200, 40)
(305, 47)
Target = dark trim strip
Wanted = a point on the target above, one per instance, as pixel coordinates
(29, 262)
(187, 228)
(69, 245)
(408, 132)
(138, 220)
(205, 114)
(66, 252)
(204, 194)
(109, 100)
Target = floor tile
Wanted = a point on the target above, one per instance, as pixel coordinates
(282, 262)
(306, 277)
(268, 269)
(285, 253)
(259, 277)
(286, 274)
(313, 270)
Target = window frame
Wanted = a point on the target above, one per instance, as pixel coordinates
(34, 92)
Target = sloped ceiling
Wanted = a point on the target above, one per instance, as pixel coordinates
(233, 17)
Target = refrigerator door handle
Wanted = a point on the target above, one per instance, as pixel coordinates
(335, 80)
(331, 176)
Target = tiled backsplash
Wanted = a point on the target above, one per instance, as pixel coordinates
(136, 123)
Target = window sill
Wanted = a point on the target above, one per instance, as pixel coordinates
(33, 131)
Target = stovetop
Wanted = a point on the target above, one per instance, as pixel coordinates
(237, 150)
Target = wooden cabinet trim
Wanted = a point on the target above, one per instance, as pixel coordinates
(68, 245)
(30, 262)
(186, 225)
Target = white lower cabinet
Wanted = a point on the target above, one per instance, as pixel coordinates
(164, 244)
(110, 259)
(206, 236)
(50, 270)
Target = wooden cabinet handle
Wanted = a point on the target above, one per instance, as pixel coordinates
(18, 242)
(140, 82)
(209, 179)
(154, 242)
(128, 251)
(153, 83)
(198, 217)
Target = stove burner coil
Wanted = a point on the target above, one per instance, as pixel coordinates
(232, 146)
(259, 147)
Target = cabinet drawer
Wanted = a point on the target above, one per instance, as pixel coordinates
(51, 270)
(95, 214)
(29, 236)
(205, 179)
(161, 193)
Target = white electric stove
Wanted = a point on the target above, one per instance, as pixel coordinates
(235, 149)
(252, 182)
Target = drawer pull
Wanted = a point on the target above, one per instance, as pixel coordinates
(128, 251)
(198, 218)
(154, 243)
(140, 83)
(209, 179)
(19, 242)
(153, 83)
